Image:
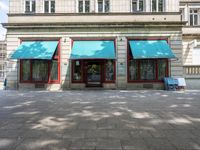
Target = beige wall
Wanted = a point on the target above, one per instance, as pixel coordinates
(120, 34)
(77, 19)
(69, 6)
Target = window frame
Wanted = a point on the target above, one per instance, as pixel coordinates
(193, 14)
(49, 81)
(139, 61)
(157, 6)
(84, 6)
(138, 6)
(72, 73)
(49, 8)
(97, 6)
(31, 6)
(182, 11)
(104, 73)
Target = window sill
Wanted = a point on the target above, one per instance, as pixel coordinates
(145, 81)
(31, 82)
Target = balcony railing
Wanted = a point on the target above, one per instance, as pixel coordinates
(192, 71)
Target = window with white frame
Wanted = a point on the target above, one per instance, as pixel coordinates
(103, 6)
(182, 11)
(49, 6)
(30, 6)
(137, 5)
(157, 5)
(83, 6)
(194, 17)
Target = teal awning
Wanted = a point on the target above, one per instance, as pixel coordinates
(35, 50)
(150, 49)
(93, 50)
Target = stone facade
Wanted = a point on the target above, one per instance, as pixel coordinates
(191, 50)
(2, 62)
(70, 6)
(119, 24)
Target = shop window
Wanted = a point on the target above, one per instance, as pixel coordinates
(77, 70)
(157, 5)
(30, 6)
(103, 6)
(137, 5)
(43, 71)
(110, 70)
(83, 6)
(194, 17)
(26, 70)
(147, 70)
(49, 6)
(133, 69)
(39, 70)
(162, 69)
(54, 70)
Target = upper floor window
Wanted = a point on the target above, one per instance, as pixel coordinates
(49, 6)
(103, 6)
(194, 19)
(30, 6)
(182, 14)
(137, 5)
(157, 5)
(83, 6)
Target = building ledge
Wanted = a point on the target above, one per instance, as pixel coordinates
(94, 14)
(95, 25)
(191, 30)
(96, 18)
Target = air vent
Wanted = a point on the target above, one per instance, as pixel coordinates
(148, 86)
(39, 86)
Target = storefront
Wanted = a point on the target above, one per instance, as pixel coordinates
(148, 60)
(39, 61)
(93, 62)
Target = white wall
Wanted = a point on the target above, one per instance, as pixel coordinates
(69, 6)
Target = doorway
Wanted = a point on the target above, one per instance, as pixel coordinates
(93, 73)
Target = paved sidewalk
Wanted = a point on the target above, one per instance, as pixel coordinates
(99, 120)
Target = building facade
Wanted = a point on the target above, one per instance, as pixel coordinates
(190, 13)
(2, 62)
(75, 44)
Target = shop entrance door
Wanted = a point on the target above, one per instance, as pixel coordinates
(93, 74)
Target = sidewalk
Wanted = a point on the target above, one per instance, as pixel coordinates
(101, 120)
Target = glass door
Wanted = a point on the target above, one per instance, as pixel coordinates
(94, 74)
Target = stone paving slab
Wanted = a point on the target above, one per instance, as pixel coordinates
(99, 120)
